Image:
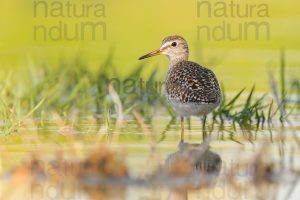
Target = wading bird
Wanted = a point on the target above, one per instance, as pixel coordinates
(191, 89)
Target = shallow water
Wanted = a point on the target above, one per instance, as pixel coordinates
(145, 149)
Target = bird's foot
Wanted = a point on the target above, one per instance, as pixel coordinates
(181, 145)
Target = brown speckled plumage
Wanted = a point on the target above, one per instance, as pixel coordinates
(188, 82)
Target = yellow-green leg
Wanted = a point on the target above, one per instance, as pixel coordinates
(204, 135)
(182, 129)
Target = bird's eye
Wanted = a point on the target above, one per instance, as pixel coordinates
(173, 44)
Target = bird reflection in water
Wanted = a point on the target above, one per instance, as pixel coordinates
(194, 166)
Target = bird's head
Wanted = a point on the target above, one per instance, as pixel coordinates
(174, 47)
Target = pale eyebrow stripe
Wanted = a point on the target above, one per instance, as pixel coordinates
(165, 45)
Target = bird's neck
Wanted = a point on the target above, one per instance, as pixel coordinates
(177, 59)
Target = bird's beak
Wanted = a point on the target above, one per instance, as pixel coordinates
(153, 53)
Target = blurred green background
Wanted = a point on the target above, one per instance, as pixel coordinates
(135, 27)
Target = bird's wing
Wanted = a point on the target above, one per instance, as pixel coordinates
(189, 82)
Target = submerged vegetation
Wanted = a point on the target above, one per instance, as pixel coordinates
(67, 98)
(82, 118)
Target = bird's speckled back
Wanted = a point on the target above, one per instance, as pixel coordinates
(188, 82)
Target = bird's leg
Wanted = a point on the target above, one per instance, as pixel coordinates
(203, 127)
(182, 129)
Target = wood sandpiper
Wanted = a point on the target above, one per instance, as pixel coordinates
(191, 89)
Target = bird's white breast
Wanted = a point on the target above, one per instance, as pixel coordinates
(192, 109)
